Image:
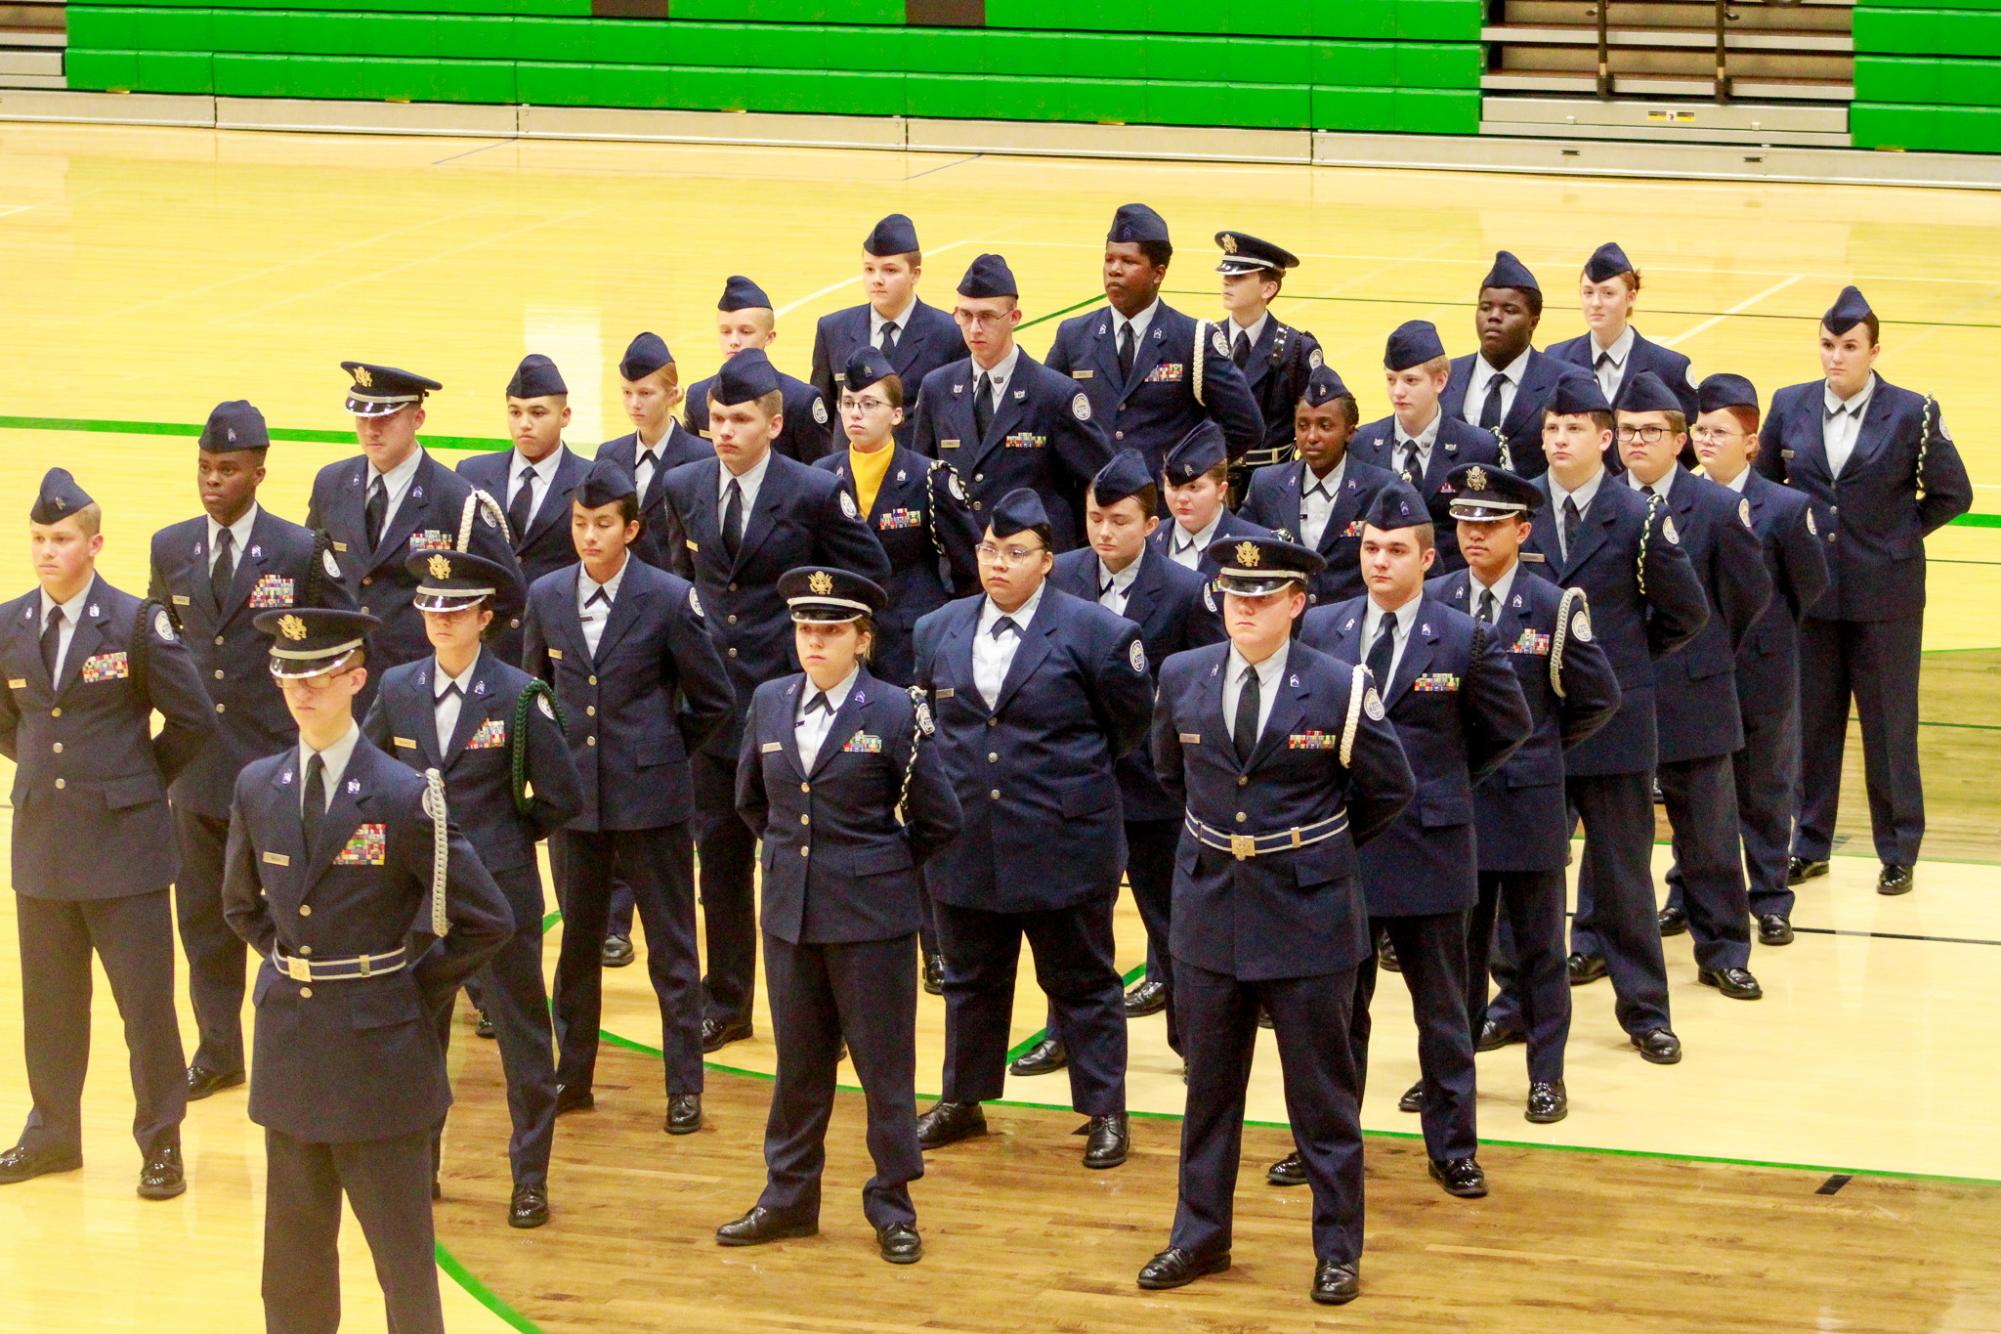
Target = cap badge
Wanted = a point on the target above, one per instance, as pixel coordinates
(1229, 244)
(1476, 478)
(363, 377)
(440, 567)
(1247, 554)
(292, 627)
(821, 583)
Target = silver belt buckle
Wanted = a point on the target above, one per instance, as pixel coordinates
(1243, 846)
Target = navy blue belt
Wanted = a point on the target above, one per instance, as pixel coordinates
(1245, 846)
(341, 970)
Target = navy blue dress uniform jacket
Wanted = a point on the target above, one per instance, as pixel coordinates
(280, 567)
(805, 428)
(546, 545)
(658, 538)
(1035, 774)
(924, 521)
(478, 764)
(1042, 436)
(803, 516)
(929, 339)
(1294, 913)
(356, 1059)
(1695, 688)
(1175, 610)
(1521, 428)
(654, 693)
(1176, 381)
(1280, 362)
(1456, 444)
(1877, 566)
(430, 515)
(1459, 713)
(1274, 502)
(838, 863)
(1789, 528)
(1519, 819)
(90, 786)
(1644, 355)
(1636, 627)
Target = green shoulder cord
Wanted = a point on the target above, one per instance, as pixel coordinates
(518, 747)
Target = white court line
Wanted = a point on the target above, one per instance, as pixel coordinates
(839, 283)
(1737, 309)
(9, 210)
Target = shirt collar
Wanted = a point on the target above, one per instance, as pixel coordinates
(1661, 487)
(1140, 322)
(1123, 580)
(835, 697)
(1425, 438)
(1583, 495)
(901, 320)
(546, 469)
(1021, 616)
(239, 531)
(1269, 671)
(1499, 588)
(399, 476)
(335, 757)
(1202, 537)
(73, 609)
(1737, 483)
(1003, 370)
(1854, 404)
(1406, 618)
(1331, 482)
(1622, 347)
(746, 481)
(658, 449)
(587, 585)
(1250, 331)
(1513, 370)
(439, 681)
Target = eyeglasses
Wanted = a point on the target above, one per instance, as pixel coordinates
(1646, 435)
(994, 555)
(311, 684)
(871, 404)
(1720, 434)
(981, 319)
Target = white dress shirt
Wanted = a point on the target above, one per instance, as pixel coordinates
(1844, 423)
(998, 377)
(1483, 374)
(1316, 500)
(1613, 368)
(641, 451)
(1583, 495)
(239, 537)
(335, 757)
(1372, 619)
(541, 476)
(1252, 332)
(1499, 588)
(811, 728)
(1270, 672)
(1401, 441)
(1662, 484)
(993, 656)
(1121, 584)
(72, 612)
(901, 320)
(748, 483)
(395, 483)
(1140, 324)
(448, 702)
(594, 618)
(1186, 548)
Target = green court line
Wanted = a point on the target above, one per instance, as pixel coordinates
(482, 1294)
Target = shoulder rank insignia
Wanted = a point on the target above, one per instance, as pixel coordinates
(820, 411)
(1372, 704)
(1080, 407)
(163, 625)
(1137, 656)
(848, 506)
(1580, 626)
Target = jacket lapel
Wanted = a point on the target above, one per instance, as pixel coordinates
(1146, 352)
(89, 637)
(1591, 533)
(569, 622)
(625, 609)
(415, 510)
(1007, 413)
(772, 496)
(847, 721)
(478, 705)
(1259, 363)
(284, 879)
(1285, 714)
(957, 654)
(1145, 590)
(348, 811)
(422, 703)
(1869, 439)
(911, 339)
(1028, 655)
(1417, 653)
(250, 568)
(1528, 395)
(556, 500)
(785, 729)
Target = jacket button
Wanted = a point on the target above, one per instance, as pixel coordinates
(59, 747)
(977, 505)
(1243, 781)
(805, 819)
(220, 641)
(992, 757)
(732, 651)
(1241, 817)
(805, 787)
(993, 722)
(732, 618)
(1118, 435)
(367, 579)
(590, 710)
(994, 795)
(56, 712)
(366, 612)
(805, 852)
(979, 477)
(305, 993)
(305, 910)
(219, 708)
(594, 680)
(590, 741)
(60, 785)
(732, 588)
(305, 951)
(218, 673)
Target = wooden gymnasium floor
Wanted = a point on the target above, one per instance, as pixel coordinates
(150, 273)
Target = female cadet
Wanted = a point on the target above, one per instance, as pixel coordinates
(828, 757)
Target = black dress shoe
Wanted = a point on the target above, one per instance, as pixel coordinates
(1336, 1284)
(574, 1098)
(203, 1082)
(1264, 1018)
(617, 951)
(1412, 1099)
(761, 1225)
(934, 974)
(1774, 929)
(950, 1122)
(1548, 1103)
(1736, 983)
(1801, 869)
(1586, 968)
(1659, 1046)
(162, 1178)
(1149, 997)
(684, 1113)
(1287, 1171)
(1673, 921)
(1177, 1268)
(483, 1027)
(1495, 1035)
(899, 1243)
(1460, 1176)
(1894, 879)
(719, 1033)
(1044, 1058)
(528, 1207)
(1386, 953)
(1110, 1137)
(20, 1164)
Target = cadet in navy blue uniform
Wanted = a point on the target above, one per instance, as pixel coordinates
(533, 480)
(1150, 372)
(1276, 358)
(1878, 460)
(368, 910)
(1695, 688)
(395, 499)
(1037, 694)
(1614, 351)
(491, 730)
(916, 506)
(1285, 763)
(1767, 765)
(1504, 387)
(1459, 713)
(1001, 418)
(213, 574)
(1196, 476)
(1417, 441)
(1321, 501)
(841, 780)
(642, 689)
(1521, 829)
(657, 444)
(1646, 602)
(917, 339)
(745, 517)
(745, 320)
(87, 666)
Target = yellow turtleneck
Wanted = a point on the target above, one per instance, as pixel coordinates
(868, 470)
